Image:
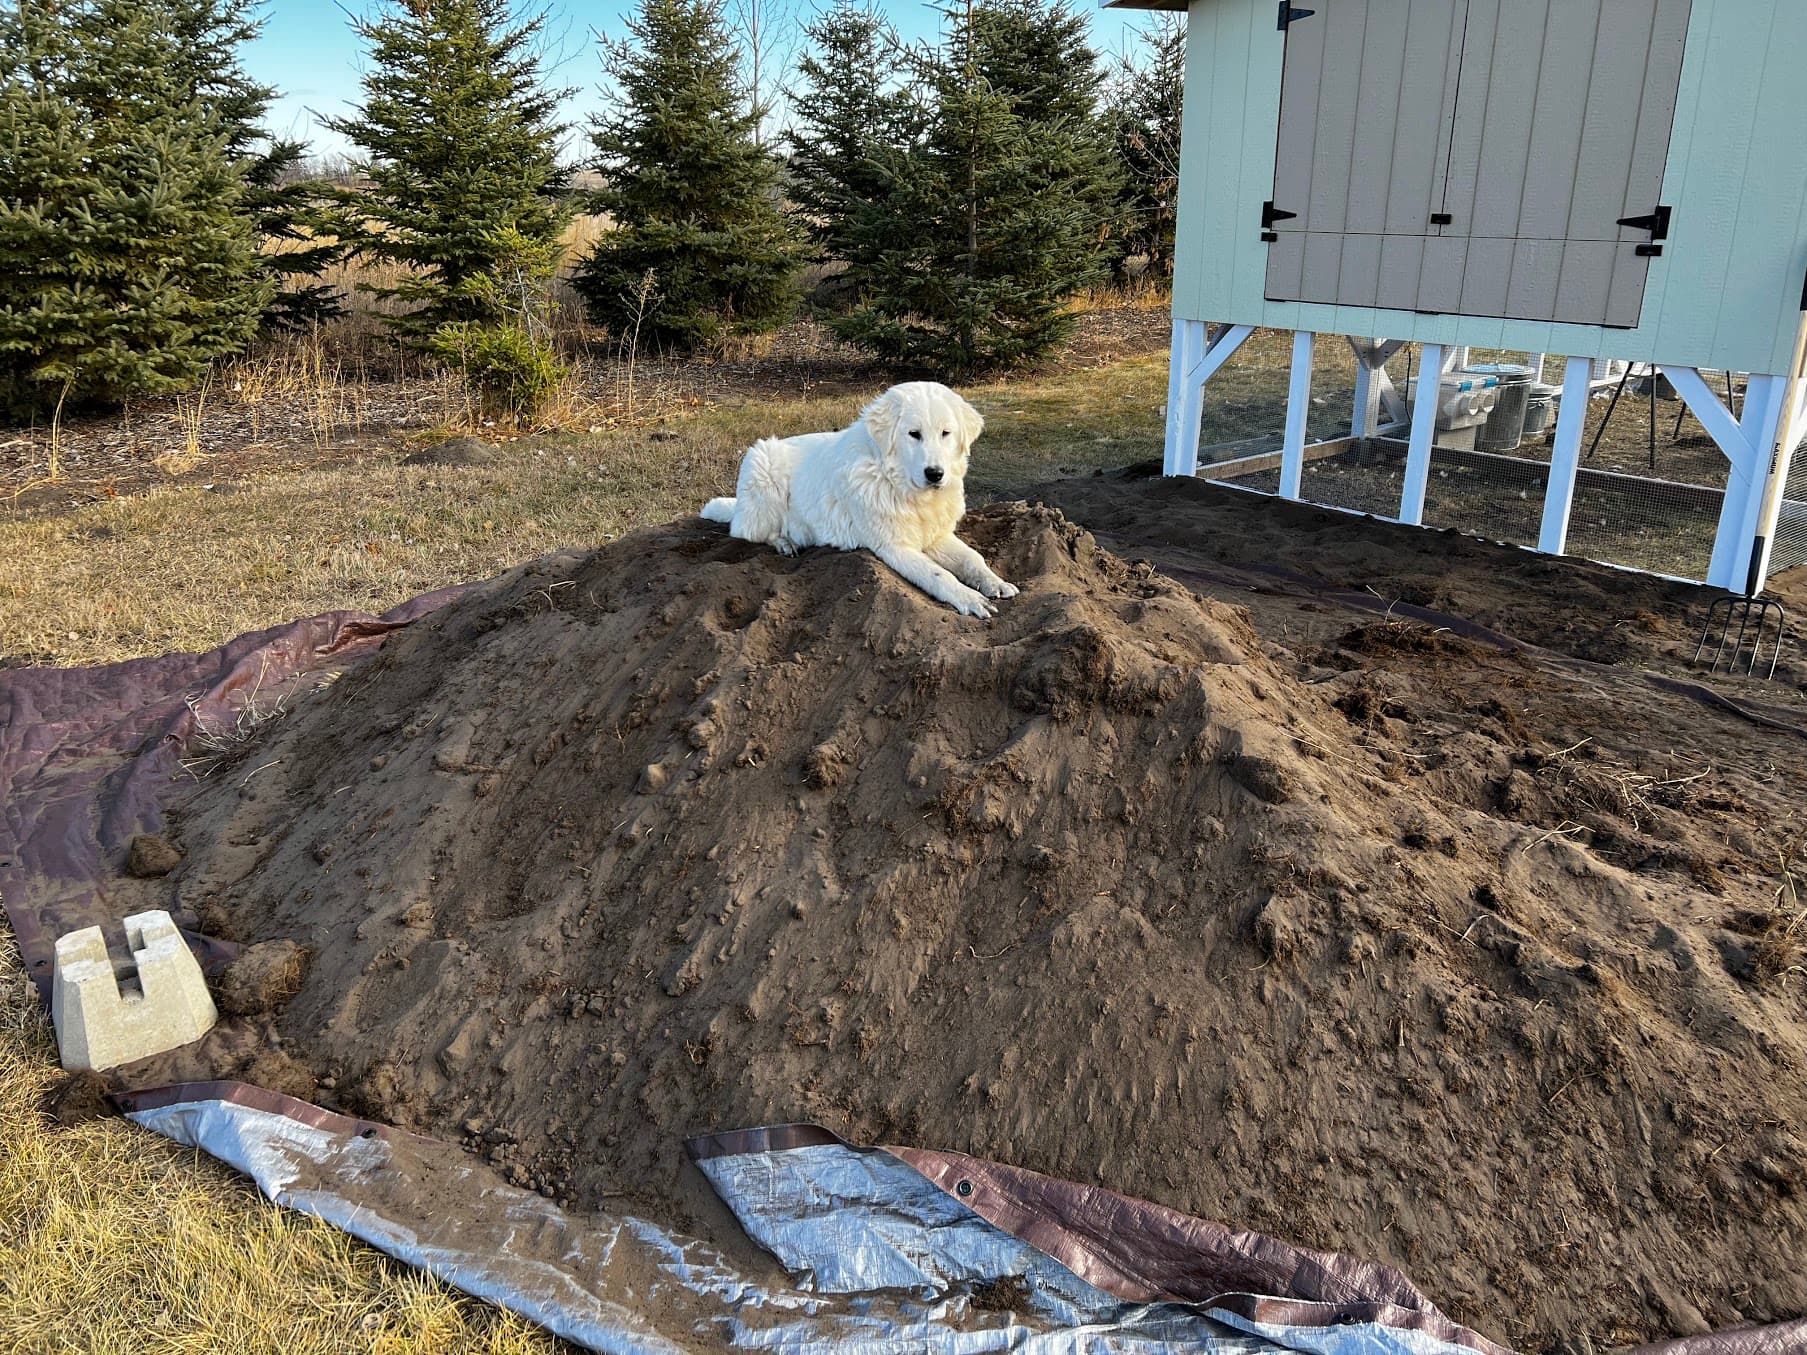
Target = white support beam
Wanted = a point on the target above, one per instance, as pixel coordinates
(1390, 398)
(1196, 357)
(1221, 351)
(1744, 479)
(1746, 442)
(1565, 457)
(1424, 431)
(1298, 405)
(1704, 404)
(1373, 387)
(1367, 398)
(1180, 457)
(1766, 400)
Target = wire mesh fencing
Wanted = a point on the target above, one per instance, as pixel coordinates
(1648, 490)
(1788, 550)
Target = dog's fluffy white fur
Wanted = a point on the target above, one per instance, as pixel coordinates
(893, 483)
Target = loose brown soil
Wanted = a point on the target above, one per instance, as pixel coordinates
(1398, 941)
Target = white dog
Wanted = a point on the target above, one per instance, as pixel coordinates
(893, 484)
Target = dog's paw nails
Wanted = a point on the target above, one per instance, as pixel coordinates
(974, 605)
(1000, 589)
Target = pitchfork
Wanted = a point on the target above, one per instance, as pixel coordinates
(1751, 608)
(1744, 610)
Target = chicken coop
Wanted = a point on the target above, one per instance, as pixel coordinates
(1462, 187)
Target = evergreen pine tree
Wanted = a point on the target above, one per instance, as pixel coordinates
(996, 214)
(701, 247)
(299, 217)
(464, 191)
(1037, 54)
(845, 123)
(292, 217)
(127, 260)
(1145, 111)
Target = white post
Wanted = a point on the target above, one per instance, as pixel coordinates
(1713, 416)
(1298, 405)
(1537, 362)
(1183, 399)
(1190, 366)
(1767, 401)
(1424, 430)
(1565, 456)
(1742, 441)
(1373, 388)
(1367, 398)
(1390, 399)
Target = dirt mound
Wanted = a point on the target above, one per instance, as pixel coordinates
(679, 836)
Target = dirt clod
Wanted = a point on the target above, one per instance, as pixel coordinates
(1262, 777)
(80, 1097)
(824, 766)
(263, 977)
(151, 856)
(278, 1071)
(1007, 1294)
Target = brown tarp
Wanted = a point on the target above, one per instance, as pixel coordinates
(90, 757)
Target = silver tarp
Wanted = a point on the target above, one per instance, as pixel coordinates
(881, 1260)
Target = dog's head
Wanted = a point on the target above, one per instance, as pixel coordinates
(924, 433)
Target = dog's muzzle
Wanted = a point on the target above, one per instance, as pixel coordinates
(933, 474)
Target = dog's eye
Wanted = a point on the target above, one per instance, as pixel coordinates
(916, 433)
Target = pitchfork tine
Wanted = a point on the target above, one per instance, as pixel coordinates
(1744, 622)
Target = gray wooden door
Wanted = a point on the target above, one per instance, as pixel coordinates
(1367, 98)
(1475, 156)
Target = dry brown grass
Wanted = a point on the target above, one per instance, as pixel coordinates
(185, 568)
(114, 1240)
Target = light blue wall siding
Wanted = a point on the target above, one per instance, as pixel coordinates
(1726, 292)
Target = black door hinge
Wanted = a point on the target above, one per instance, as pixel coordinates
(1288, 14)
(1657, 223)
(1271, 216)
(1649, 251)
(1442, 219)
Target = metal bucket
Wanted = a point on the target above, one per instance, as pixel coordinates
(1505, 427)
(1540, 410)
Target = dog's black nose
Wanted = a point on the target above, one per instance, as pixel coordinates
(933, 474)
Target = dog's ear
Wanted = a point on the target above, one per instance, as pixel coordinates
(971, 424)
(882, 418)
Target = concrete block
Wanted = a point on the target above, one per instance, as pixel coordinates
(160, 1002)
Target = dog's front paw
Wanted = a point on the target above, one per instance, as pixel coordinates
(997, 588)
(784, 545)
(973, 603)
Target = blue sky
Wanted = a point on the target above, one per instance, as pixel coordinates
(308, 51)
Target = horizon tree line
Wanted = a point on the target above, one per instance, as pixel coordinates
(150, 225)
